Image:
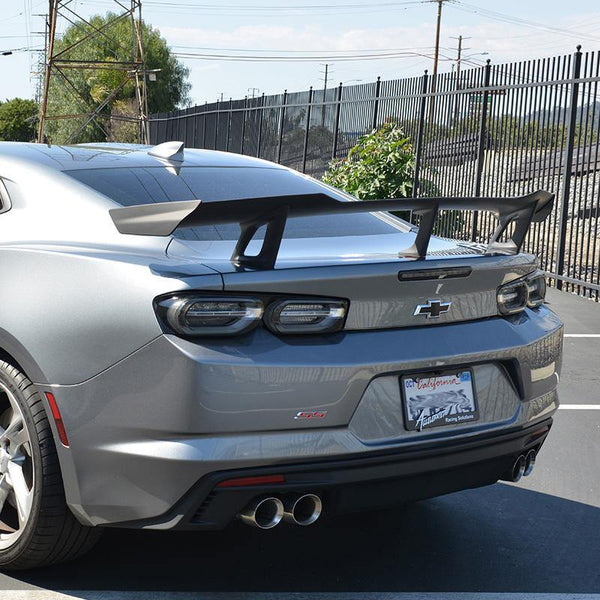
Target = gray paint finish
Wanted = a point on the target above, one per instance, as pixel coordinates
(151, 413)
(227, 405)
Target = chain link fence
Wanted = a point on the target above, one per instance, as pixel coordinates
(498, 130)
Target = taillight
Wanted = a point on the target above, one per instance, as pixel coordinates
(515, 296)
(306, 315)
(206, 316)
(536, 286)
(193, 315)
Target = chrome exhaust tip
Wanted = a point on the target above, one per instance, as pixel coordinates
(264, 512)
(518, 469)
(529, 462)
(302, 510)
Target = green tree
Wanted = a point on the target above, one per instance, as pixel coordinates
(18, 120)
(93, 86)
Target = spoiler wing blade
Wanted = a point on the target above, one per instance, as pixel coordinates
(163, 219)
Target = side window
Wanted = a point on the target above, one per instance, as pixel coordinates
(4, 199)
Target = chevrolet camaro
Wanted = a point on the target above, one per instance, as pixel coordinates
(190, 338)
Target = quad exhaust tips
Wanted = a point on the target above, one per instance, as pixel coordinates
(266, 512)
(522, 467)
(302, 510)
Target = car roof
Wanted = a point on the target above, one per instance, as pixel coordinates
(113, 155)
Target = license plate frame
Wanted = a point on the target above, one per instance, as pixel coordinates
(433, 409)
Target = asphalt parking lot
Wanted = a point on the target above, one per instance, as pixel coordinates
(540, 536)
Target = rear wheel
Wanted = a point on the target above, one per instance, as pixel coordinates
(36, 526)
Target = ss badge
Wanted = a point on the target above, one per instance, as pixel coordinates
(311, 414)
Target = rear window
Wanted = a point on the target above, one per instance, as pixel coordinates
(130, 186)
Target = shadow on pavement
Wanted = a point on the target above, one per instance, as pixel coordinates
(496, 539)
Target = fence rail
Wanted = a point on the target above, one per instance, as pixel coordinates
(500, 130)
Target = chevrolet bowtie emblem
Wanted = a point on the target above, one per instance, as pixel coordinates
(433, 309)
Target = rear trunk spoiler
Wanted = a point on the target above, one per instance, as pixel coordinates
(163, 219)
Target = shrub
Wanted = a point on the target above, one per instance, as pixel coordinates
(381, 165)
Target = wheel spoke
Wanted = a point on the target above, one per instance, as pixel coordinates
(18, 439)
(5, 489)
(23, 495)
(15, 427)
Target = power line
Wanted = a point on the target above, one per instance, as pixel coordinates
(288, 8)
(262, 11)
(293, 59)
(282, 51)
(497, 16)
(14, 37)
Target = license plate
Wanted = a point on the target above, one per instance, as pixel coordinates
(436, 400)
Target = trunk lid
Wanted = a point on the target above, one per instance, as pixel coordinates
(384, 289)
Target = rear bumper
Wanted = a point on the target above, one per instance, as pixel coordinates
(356, 483)
(145, 431)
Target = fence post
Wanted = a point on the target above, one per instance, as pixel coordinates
(228, 125)
(376, 103)
(305, 149)
(419, 146)
(204, 125)
(481, 144)
(244, 124)
(260, 124)
(281, 122)
(567, 168)
(217, 115)
(336, 123)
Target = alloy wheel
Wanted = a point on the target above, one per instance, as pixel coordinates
(17, 473)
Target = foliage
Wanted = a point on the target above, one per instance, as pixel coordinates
(18, 120)
(169, 91)
(381, 165)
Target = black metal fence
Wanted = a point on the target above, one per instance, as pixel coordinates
(498, 130)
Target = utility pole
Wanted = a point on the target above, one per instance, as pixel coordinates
(436, 54)
(459, 51)
(325, 76)
(253, 91)
(458, 55)
(325, 80)
(60, 63)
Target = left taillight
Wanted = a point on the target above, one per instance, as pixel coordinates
(205, 316)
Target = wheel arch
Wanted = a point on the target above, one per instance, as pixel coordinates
(13, 352)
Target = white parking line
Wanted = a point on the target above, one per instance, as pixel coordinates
(114, 595)
(579, 406)
(582, 335)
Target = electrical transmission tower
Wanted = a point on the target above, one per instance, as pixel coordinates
(64, 68)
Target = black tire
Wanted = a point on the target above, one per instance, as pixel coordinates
(51, 533)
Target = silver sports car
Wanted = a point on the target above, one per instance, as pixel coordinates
(189, 338)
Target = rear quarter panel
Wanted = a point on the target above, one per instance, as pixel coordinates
(76, 296)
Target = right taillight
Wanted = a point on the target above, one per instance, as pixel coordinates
(536, 286)
(515, 296)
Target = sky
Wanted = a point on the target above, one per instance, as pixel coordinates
(323, 30)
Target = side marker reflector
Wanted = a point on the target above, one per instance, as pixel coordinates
(60, 426)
